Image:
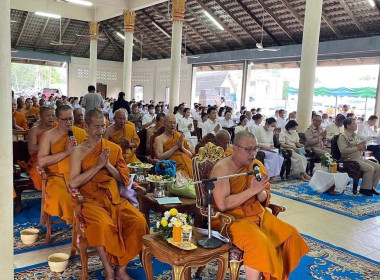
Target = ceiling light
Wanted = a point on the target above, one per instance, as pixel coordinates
(120, 35)
(80, 2)
(217, 24)
(43, 14)
(159, 28)
(372, 3)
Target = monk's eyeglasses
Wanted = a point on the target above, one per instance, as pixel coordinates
(248, 149)
(66, 120)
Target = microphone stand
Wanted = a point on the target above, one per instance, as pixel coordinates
(210, 242)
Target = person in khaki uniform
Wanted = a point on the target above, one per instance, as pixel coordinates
(316, 137)
(351, 148)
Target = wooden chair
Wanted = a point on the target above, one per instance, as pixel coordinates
(310, 155)
(203, 163)
(19, 135)
(195, 124)
(286, 154)
(208, 138)
(351, 167)
(141, 150)
(31, 120)
(79, 242)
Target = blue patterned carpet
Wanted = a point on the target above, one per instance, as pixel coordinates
(323, 262)
(355, 206)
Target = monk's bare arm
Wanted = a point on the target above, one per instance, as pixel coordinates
(44, 156)
(224, 200)
(32, 141)
(159, 149)
(186, 151)
(114, 173)
(107, 133)
(78, 179)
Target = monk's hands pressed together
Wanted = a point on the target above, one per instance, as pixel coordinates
(124, 144)
(179, 142)
(103, 160)
(257, 187)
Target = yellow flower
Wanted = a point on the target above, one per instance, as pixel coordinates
(173, 212)
(164, 222)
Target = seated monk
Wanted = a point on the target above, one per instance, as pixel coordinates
(112, 225)
(124, 134)
(159, 121)
(272, 248)
(223, 139)
(35, 102)
(34, 138)
(20, 104)
(19, 120)
(78, 118)
(172, 145)
(29, 110)
(53, 155)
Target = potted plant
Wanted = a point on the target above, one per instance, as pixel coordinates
(327, 162)
(171, 224)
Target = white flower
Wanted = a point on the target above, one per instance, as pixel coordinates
(170, 225)
(167, 215)
(158, 225)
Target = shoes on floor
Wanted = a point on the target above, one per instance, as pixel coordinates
(305, 179)
(272, 181)
(375, 192)
(366, 192)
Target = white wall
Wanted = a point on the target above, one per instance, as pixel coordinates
(154, 76)
(110, 73)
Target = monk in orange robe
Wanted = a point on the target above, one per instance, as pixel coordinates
(272, 248)
(35, 102)
(79, 119)
(29, 110)
(53, 155)
(123, 133)
(34, 137)
(112, 224)
(159, 122)
(19, 120)
(172, 145)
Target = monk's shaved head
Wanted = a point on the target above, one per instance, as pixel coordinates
(93, 114)
(222, 134)
(241, 135)
(76, 110)
(170, 117)
(170, 123)
(223, 138)
(120, 112)
(62, 109)
(44, 109)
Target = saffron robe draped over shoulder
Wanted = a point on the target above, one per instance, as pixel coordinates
(111, 221)
(21, 120)
(129, 133)
(58, 200)
(33, 112)
(270, 245)
(183, 160)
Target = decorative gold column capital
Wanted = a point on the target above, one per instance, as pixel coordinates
(94, 31)
(129, 21)
(178, 9)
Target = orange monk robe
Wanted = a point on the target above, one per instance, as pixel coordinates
(111, 221)
(37, 106)
(229, 151)
(270, 245)
(58, 200)
(183, 160)
(33, 111)
(82, 125)
(129, 133)
(107, 123)
(21, 120)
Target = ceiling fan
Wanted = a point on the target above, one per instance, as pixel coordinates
(260, 46)
(99, 36)
(60, 43)
(141, 49)
(184, 52)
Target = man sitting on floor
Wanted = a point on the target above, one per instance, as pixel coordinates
(351, 148)
(124, 134)
(34, 137)
(172, 145)
(53, 155)
(112, 224)
(19, 120)
(272, 248)
(316, 137)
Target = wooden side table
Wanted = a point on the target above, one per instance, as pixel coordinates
(148, 202)
(182, 260)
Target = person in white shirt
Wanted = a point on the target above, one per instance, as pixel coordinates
(148, 119)
(257, 120)
(368, 132)
(179, 114)
(292, 116)
(325, 121)
(185, 124)
(289, 139)
(249, 118)
(222, 102)
(281, 119)
(242, 125)
(195, 112)
(227, 121)
(273, 160)
(211, 125)
(334, 129)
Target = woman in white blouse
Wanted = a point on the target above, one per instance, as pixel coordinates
(273, 160)
(185, 124)
(289, 139)
(257, 120)
(242, 125)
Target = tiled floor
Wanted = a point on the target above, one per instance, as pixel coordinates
(361, 237)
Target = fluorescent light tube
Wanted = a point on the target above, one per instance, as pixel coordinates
(43, 14)
(120, 35)
(80, 2)
(372, 3)
(159, 28)
(214, 21)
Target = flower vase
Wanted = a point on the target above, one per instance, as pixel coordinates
(177, 234)
(325, 169)
(330, 168)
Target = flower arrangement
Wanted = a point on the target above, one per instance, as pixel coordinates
(327, 160)
(171, 219)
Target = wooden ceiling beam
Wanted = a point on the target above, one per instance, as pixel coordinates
(225, 26)
(293, 12)
(38, 40)
(259, 23)
(166, 53)
(165, 42)
(78, 39)
(352, 16)
(117, 47)
(102, 51)
(236, 19)
(22, 29)
(277, 20)
(331, 26)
